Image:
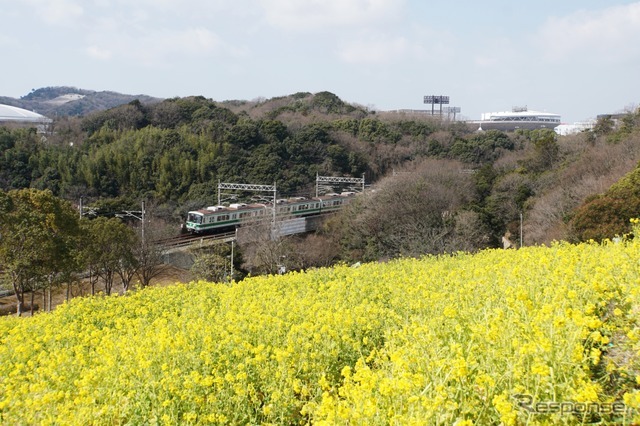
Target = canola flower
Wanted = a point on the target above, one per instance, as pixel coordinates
(439, 340)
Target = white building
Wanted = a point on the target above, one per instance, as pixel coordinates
(577, 127)
(517, 118)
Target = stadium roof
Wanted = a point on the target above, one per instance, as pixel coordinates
(15, 114)
(521, 115)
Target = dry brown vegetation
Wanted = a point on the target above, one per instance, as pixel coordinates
(410, 213)
(589, 168)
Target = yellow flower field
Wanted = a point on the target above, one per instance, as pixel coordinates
(538, 336)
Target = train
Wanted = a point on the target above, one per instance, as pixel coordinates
(222, 218)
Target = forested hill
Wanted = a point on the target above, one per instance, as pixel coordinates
(62, 101)
(176, 150)
(173, 153)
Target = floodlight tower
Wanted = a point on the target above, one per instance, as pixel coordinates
(451, 110)
(436, 99)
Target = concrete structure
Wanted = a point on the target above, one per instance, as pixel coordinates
(572, 129)
(517, 118)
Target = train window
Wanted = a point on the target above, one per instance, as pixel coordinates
(195, 218)
(223, 217)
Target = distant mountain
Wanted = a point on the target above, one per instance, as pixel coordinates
(64, 100)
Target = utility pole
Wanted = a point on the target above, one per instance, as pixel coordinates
(91, 211)
(142, 226)
(521, 230)
(232, 244)
(141, 218)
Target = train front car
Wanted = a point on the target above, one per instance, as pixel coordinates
(222, 218)
(194, 221)
(212, 219)
(204, 220)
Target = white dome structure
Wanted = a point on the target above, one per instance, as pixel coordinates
(518, 118)
(11, 114)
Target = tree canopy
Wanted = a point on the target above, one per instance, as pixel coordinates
(38, 243)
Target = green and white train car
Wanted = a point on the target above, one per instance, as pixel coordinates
(220, 218)
(223, 217)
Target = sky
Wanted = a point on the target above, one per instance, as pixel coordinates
(576, 58)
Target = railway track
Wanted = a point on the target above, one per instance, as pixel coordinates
(187, 240)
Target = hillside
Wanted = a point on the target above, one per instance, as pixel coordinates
(572, 201)
(464, 189)
(608, 215)
(501, 337)
(70, 101)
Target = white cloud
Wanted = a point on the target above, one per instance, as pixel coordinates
(611, 33)
(501, 53)
(99, 53)
(58, 12)
(154, 48)
(309, 15)
(148, 31)
(194, 41)
(175, 10)
(374, 51)
(7, 40)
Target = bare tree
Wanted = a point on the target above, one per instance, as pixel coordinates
(213, 263)
(149, 252)
(127, 267)
(409, 214)
(312, 250)
(264, 252)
